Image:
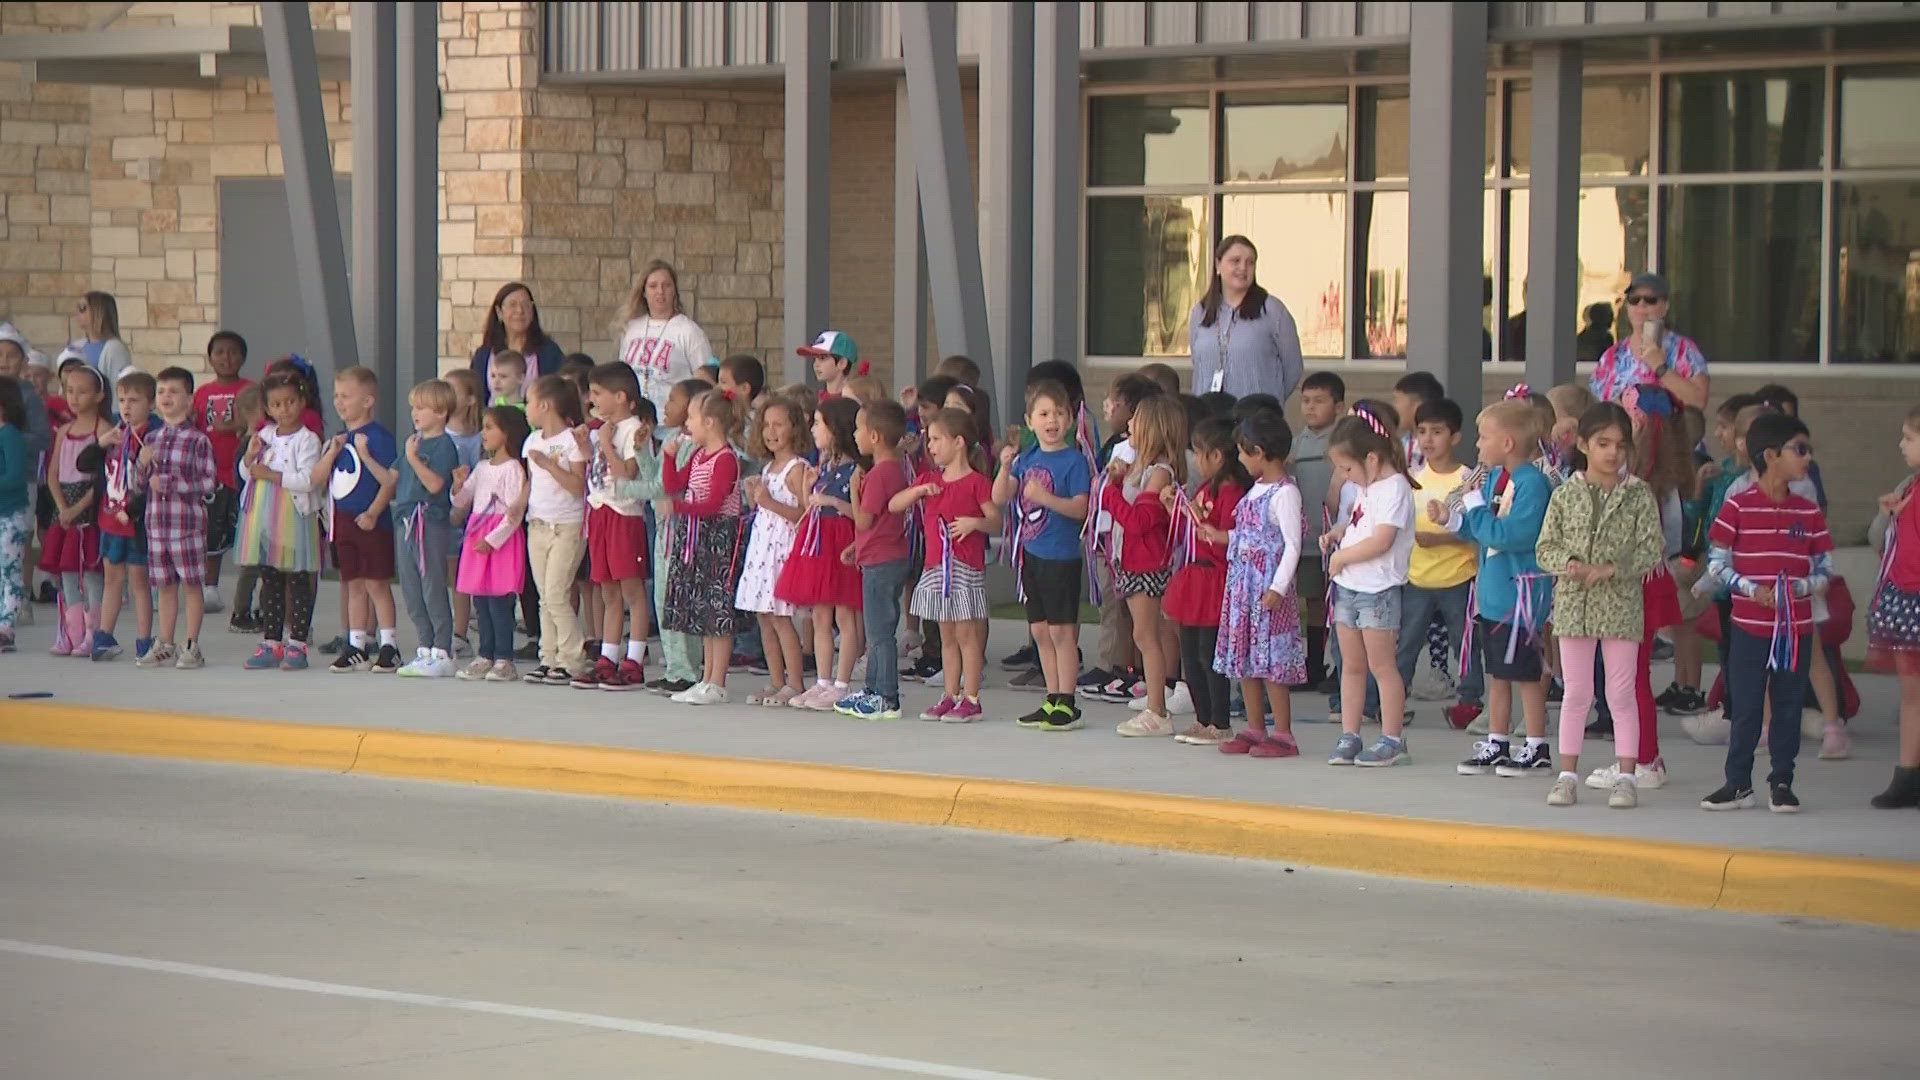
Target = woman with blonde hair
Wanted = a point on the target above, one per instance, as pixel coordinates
(661, 343)
(98, 320)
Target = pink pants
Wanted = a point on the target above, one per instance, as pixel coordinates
(1576, 670)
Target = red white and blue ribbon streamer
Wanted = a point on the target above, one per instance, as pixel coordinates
(1185, 528)
(946, 560)
(1783, 652)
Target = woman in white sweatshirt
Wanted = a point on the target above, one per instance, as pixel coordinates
(661, 343)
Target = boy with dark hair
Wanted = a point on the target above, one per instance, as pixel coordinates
(1411, 391)
(1323, 399)
(213, 413)
(961, 370)
(1441, 573)
(1778, 397)
(176, 470)
(1163, 376)
(882, 549)
(1770, 547)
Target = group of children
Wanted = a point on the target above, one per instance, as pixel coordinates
(1230, 558)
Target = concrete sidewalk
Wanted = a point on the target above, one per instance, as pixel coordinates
(1427, 793)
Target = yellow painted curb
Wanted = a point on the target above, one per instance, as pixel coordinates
(1877, 892)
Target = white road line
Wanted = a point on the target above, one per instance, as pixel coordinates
(522, 1012)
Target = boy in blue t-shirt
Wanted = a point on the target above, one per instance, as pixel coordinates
(423, 530)
(1048, 487)
(357, 468)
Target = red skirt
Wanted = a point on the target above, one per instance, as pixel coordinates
(1660, 600)
(814, 576)
(70, 549)
(1195, 594)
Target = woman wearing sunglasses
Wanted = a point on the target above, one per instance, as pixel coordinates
(1651, 354)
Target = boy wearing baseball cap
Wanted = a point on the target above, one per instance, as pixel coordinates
(834, 356)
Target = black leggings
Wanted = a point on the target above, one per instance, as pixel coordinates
(1212, 697)
(286, 604)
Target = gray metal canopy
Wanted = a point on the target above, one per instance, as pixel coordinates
(163, 56)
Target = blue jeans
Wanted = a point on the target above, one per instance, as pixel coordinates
(1417, 607)
(496, 626)
(881, 588)
(1747, 669)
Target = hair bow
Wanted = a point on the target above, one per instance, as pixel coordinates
(300, 363)
(727, 394)
(863, 369)
(1647, 401)
(1520, 390)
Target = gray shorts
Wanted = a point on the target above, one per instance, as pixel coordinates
(1366, 611)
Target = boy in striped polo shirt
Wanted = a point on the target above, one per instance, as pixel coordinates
(1771, 548)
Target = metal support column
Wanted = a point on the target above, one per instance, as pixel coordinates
(1006, 183)
(806, 31)
(909, 253)
(1056, 182)
(928, 38)
(1553, 226)
(372, 46)
(1448, 138)
(319, 256)
(417, 180)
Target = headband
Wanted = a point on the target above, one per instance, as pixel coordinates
(1520, 390)
(81, 365)
(1372, 421)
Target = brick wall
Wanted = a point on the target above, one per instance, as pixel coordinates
(44, 240)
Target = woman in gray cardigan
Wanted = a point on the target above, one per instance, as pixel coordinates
(1241, 338)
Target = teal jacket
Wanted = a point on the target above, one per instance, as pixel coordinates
(15, 467)
(1507, 542)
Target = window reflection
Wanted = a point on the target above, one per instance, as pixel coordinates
(1153, 139)
(1612, 248)
(1614, 127)
(1744, 121)
(1877, 110)
(1302, 241)
(1148, 264)
(1383, 144)
(1878, 273)
(1287, 135)
(1381, 220)
(1744, 261)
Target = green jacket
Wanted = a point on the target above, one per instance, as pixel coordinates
(1618, 528)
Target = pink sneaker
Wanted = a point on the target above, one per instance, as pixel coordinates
(964, 711)
(1835, 744)
(1244, 742)
(940, 709)
(1276, 746)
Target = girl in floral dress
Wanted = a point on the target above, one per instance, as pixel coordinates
(1261, 641)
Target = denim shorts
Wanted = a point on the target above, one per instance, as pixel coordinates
(1366, 611)
(123, 550)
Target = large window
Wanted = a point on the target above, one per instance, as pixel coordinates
(1782, 202)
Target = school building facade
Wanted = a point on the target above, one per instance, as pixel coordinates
(1036, 180)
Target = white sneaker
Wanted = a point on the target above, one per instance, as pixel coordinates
(1565, 791)
(1431, 684)
(1146, 725)
(211, 596)
(1651, 777)
(707, 694)
(1602, 779)
(440, 665)
(418, 667)
(686, 697)
(1707, 729)
(1625, 796)
(1179, 701)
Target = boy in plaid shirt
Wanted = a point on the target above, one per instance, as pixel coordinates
(177, 470)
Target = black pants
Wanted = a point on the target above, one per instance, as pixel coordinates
(529, 602)
(286, 604)
(1787, 690)
(1212, 697)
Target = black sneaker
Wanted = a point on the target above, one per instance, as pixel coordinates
(659, 686)
(538, 676)
(1667, 697)
(1030, 679)
(1094, 680)
(1530, 761)
(1600, 727)
(928, 670)
(386, 661)
(1662, 649)
(529, 651)
(337, 646)
(559, 676)
(1039, 716)
(1556, 690)
(350, 660)
(1488, 755)
(1118, 689)
(1027, 656)
(1730, 798)
(1689, 702)
(670, 687)
(243, 622)
(759, 667)
(1782, 800)
(1064, 717)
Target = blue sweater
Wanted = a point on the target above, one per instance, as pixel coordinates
(1507, 542)
(15, 466)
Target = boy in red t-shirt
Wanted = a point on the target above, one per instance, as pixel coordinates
(214, 413)
(881, 550)
(1771, 548)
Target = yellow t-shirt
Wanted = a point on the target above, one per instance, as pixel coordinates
(1446, 565)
